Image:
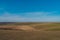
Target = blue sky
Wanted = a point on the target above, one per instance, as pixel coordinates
(29, 10)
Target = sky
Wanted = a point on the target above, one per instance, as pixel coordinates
(29, 10)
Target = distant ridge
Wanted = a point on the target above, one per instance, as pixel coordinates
(2, 23)
(25, 23)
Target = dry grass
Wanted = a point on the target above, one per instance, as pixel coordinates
(30, 31)
(23, 35)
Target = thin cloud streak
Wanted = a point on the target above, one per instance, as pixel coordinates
(30, 17)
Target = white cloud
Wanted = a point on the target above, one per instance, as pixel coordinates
(10, 17)
(38, 14)
(29, 17)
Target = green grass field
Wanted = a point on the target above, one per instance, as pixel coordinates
(42, 31)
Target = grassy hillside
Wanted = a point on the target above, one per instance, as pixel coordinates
(30, 31)
(35, 26)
